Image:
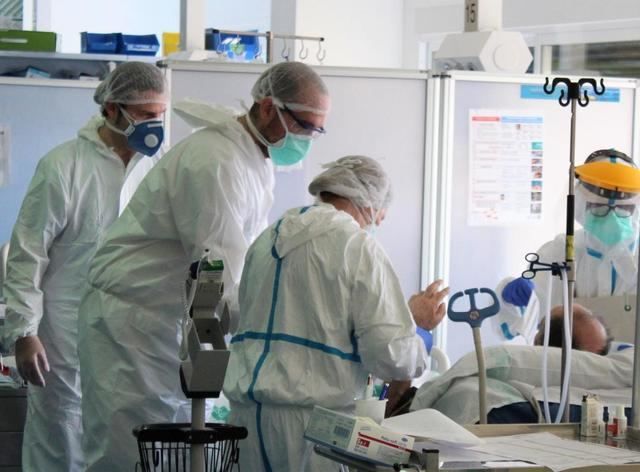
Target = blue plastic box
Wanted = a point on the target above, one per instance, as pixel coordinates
(99, 43)
(138, 45)
(235, 46)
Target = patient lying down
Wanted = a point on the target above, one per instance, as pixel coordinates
(515, 372)
(589, 331)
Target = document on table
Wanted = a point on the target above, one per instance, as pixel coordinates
(556, 453)
(432, 425)
(449, 454)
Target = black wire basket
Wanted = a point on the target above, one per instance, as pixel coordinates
(166, 447)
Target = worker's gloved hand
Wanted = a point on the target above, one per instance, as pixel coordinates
(398, 389)
(518, 292)
(31, 360)
(427, 338)
(427, 307)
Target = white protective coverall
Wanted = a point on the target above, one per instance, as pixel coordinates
(321, 307)
(73, 197)
(601, 270)
(212, 190)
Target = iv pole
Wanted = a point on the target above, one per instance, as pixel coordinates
(570, 96)
(633, 431)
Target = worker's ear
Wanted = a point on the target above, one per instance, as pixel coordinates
(111, 111)
(267, 110)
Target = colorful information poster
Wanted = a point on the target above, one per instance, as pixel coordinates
(506, 167)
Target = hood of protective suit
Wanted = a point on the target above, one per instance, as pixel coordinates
(90, 132)
(203, 115)
(298, 226)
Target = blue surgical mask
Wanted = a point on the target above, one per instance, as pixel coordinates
(291, 149)
(609, 229)
(144, 136)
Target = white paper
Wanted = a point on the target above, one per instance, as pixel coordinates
(506, 172)
(5, 154)
(558, 454)
(433, 425)
(451, 453)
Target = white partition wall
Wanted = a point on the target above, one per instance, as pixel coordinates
(480, 255)
(40, 114)
(379, 113)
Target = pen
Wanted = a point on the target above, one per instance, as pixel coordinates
(368, 392)
(384, 391)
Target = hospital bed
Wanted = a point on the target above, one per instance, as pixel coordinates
(514, 384)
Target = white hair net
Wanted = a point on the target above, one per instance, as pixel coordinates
(360, 179)
(132, 83)
(293, 84)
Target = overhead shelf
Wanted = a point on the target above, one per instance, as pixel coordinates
(79, 57)
(65, 65)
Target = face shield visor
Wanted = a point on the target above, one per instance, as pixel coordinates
(607, 198)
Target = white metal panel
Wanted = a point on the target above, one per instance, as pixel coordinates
(480, 256)
(41, 114)
(374, 112)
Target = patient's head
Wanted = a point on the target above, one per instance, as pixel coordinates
(589, 332)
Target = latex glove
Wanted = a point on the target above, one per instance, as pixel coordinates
(518, 292)
(427, 338)
(31, 360)
(428, 306)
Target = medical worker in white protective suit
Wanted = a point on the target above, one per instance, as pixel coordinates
(320, 308)
(605, 248)
(213, 191)
(76, 193)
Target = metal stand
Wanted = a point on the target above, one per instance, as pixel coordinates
(633, 431)
(211, 447)
(571, 96)
(202, 373)
(168, 447)
(474, 318)
(198, 417)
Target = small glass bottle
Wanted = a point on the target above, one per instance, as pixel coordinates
(620, 420)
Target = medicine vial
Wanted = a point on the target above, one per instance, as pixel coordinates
(620, 422)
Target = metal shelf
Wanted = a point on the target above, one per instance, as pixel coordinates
(64, 66)
(78, 57)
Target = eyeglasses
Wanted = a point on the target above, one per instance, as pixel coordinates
(309, 128)
(603, 209)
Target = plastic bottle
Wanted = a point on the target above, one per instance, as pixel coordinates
(13, 374)
(602, 423)
(591, 416)
(605, 420)
(612, 428)
(620, 420)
